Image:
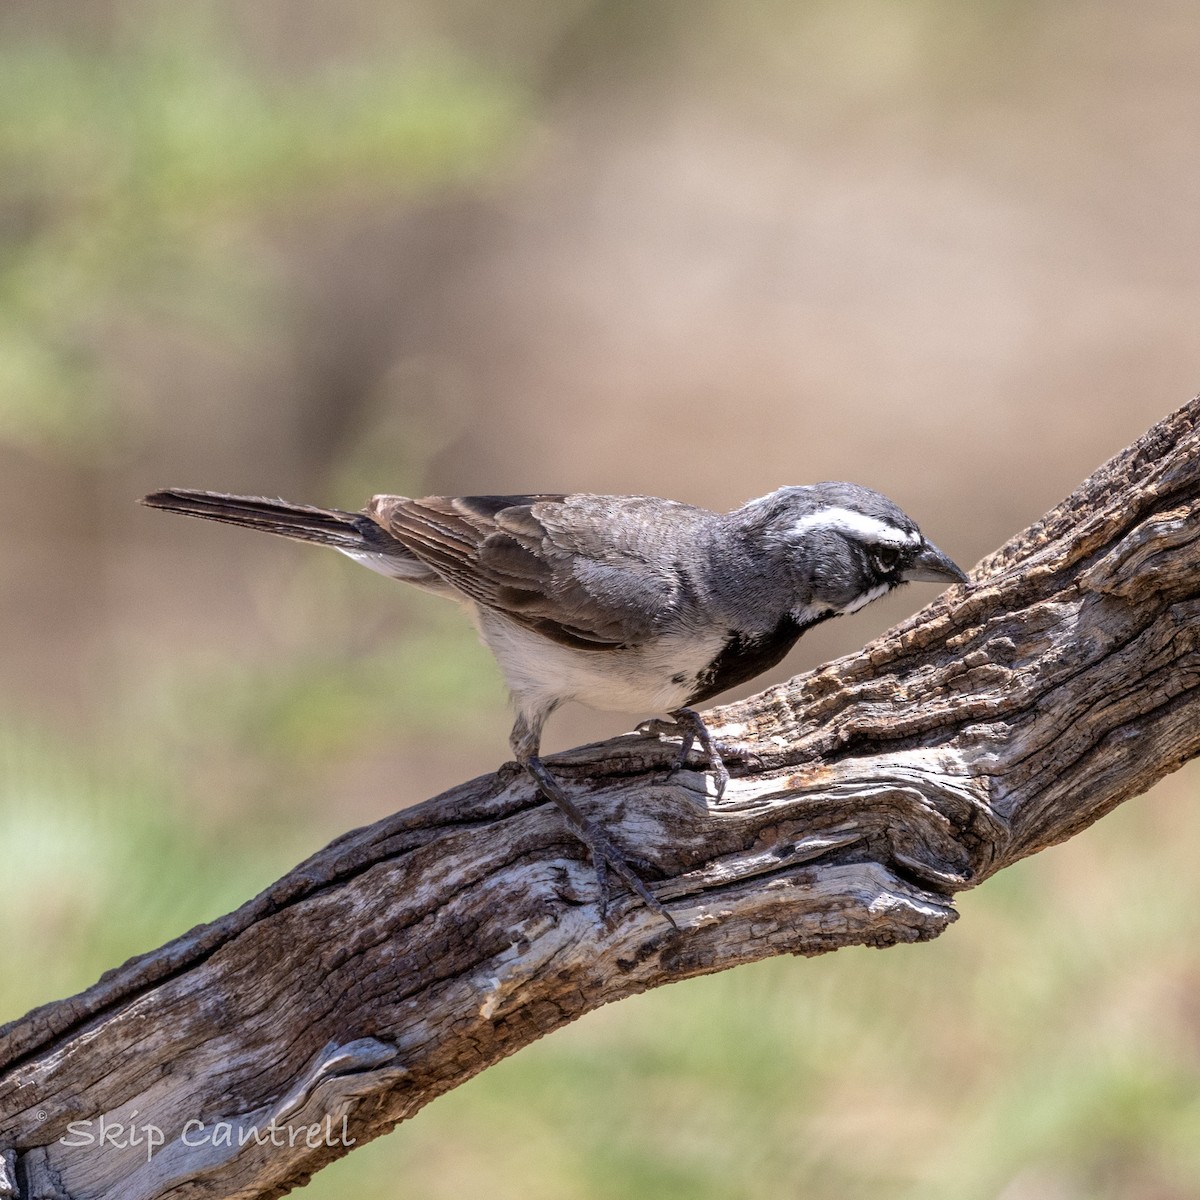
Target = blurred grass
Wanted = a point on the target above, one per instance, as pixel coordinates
(335, 698)
(103, 863)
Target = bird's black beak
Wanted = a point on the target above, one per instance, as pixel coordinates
(932, 565)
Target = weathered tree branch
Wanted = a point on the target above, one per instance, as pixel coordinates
(406, 957)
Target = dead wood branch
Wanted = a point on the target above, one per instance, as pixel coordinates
(406, 957)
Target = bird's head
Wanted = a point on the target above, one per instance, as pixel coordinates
(846, 545)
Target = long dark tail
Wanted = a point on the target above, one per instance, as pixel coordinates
(327, 526)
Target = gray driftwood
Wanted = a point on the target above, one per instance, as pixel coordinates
(406, 957)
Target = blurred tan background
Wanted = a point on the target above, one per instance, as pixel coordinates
(698, 250)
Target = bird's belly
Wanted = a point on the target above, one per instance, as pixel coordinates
(652, 678)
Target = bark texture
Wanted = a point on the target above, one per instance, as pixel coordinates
(408, 956)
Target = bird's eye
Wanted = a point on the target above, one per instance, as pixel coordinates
(885, 558)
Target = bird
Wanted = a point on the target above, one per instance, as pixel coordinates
(624, 603)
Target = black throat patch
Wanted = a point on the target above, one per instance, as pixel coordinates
(746, 655)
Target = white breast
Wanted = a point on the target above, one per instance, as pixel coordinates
(541, 673)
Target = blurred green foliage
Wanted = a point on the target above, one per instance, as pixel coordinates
(333, 699)
(131, 177)
(104, 862)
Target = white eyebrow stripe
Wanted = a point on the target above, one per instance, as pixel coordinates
(857, 525)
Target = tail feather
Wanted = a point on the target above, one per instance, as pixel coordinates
(351, 532)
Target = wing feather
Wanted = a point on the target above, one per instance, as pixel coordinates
(586, 571)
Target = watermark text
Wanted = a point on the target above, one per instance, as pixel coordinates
(121, 1135)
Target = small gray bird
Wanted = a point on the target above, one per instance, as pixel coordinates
(628, 603)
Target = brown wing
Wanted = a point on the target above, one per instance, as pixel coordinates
(592, 572)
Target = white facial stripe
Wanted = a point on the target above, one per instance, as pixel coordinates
(858, 525)
(866, 598)
(813, 612)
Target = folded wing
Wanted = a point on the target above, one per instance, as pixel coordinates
(591, 572)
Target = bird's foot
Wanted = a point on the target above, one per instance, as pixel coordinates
(605, 856)
(689, 727)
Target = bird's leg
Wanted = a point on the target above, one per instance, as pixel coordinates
(525, 741)
(605, 855)
(688, 725)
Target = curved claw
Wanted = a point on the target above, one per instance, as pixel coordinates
(689, 727)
